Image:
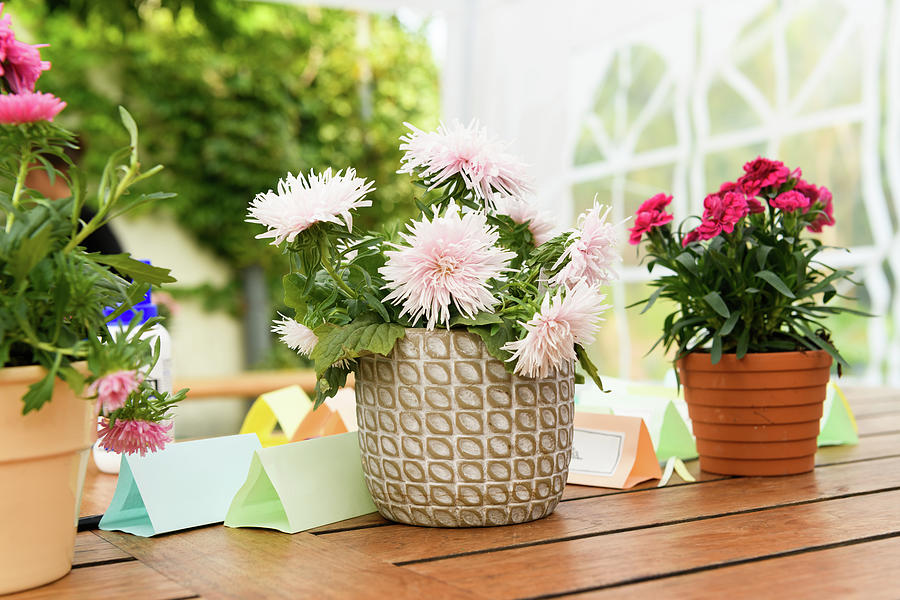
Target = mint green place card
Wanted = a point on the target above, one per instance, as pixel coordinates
(298, 486)
(187, 484)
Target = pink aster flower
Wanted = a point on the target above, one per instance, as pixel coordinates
(826, 217)
(551, 334)
(762, 173)
(807, 189)
(481, 161)
(790, 201)
(649, 215)
(590, 253)
(295, 335)
(721, 212)
(447, 260)
(113, 389)
(521, 211)
(302, 202)
(131, 436)
(22, 65)
(29, 107)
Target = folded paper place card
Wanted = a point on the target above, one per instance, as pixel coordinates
(663, 412)
(298, 486)
(838, 426)
(287, 408)
(187, 484)
(611, 451)
(335, 415)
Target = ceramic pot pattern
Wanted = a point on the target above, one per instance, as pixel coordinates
(449, 438)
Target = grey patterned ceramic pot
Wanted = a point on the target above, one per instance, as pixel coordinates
(449, 438)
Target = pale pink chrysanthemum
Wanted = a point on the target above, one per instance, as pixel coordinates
(590, 254)
(295, 335)
(568, 318)
(521, 211)
(29, 107)
(113, 389)
(483, 163)
(128, 436)
(302, 202)
(449, 259)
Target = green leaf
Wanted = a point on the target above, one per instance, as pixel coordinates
(484, 318)
(135, 269)
(729, 323)
(329, 383)
(31, 251)
(653, 297)
(716, 351)
(686, 259)
(377, 306)
(761, 254)
(495, 336)
(589, 367)
(715, 301)
(41, 391)
(743, 343)
(294, 295)
(131, 126)
(776, 282)
(366, 334)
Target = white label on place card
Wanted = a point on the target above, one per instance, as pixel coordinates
(596, 452)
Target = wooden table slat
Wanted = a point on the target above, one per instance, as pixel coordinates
(846, 572)
(596, 516)
(222, 562)
(582, 564)
(883, 424)
(131, 580)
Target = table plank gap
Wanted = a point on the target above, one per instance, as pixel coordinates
(91, 549)
(555, 569)
(861, 569)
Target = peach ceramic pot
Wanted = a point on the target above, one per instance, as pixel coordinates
(43, 457)
(758, 415)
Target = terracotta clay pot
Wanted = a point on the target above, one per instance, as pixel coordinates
(449, 438)
(758, 415)
(43, 457)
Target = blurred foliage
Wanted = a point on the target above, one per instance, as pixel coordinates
(232, 95)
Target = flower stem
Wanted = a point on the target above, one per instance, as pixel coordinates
(326, 263)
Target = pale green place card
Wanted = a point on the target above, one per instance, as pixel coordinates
(298, 486)
(187, 484)
(838, 424)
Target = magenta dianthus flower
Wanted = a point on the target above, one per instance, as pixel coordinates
(826, 217)
(649, 215)
(790, 201)
(762, 173)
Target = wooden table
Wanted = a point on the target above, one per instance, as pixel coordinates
(831, 533)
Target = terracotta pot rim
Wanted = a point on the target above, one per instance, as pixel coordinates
(758, 361)
(30, 373)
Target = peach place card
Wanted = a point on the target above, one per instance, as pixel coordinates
(611, 451)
